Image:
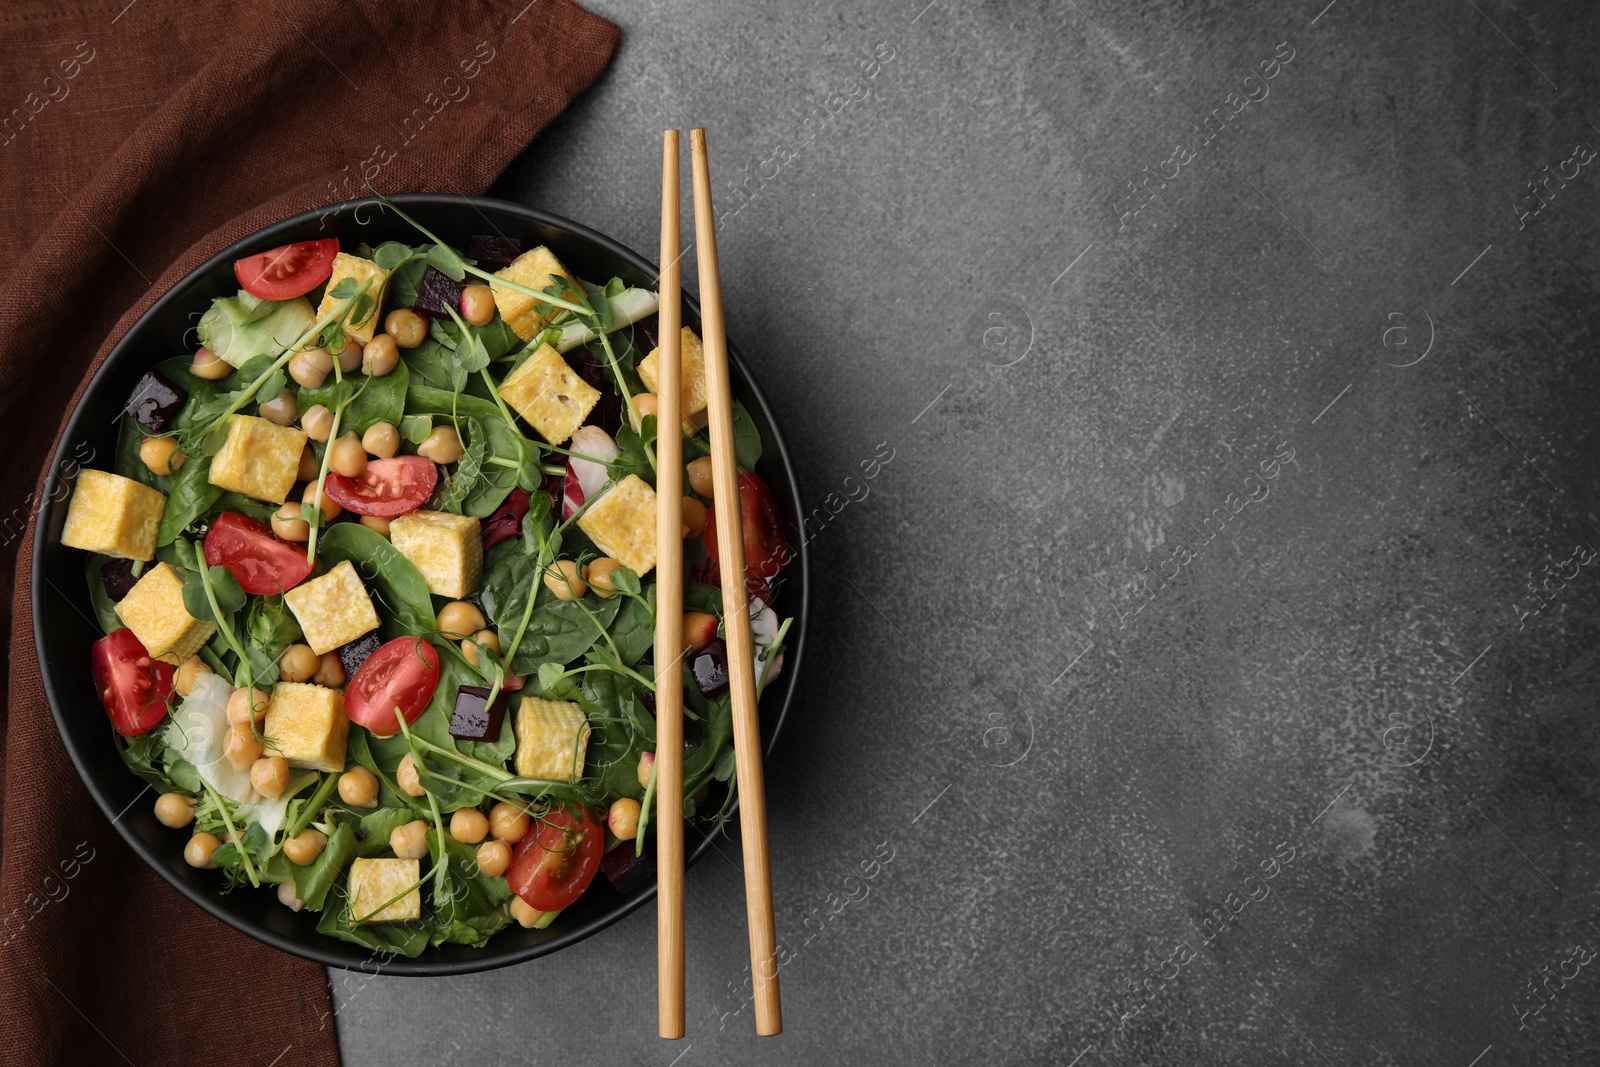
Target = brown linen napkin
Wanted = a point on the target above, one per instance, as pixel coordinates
(136, 140)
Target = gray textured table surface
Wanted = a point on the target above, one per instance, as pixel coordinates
(1214, 659)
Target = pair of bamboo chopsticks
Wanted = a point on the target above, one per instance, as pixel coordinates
(735, 607)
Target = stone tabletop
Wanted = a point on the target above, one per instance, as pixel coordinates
(1197, 401)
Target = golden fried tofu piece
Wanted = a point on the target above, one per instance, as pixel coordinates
(535, 269)
(154, 611)
(259, 458)
(549, 394)
(552, 736)
(307, 726)
(334, 609)
(622, 524)
(446, 548)
(114, 516)
(374, 883)
(692, 381)
(348, 266)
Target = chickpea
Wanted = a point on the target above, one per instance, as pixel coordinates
(241, 748)
(358, 787)
(313, 494)
(269, 776)
(700, 476)
(378, 524)
(317, 422)
(174, 810)
(487, 638)
(493, 858)
(410, 842)
(508, 823)
(282, 409)
(469, 825)
(298, 663)
(443, 445)
(287, 898)
(306, 846)
(246, 705)
(525, 913)
(646, 404)
(197, 853)
(287, 523)
(477, 304)
(330, 671)
(565, 580)
(382, 439)
(410, 781)
(209, 365)
(161, 454)
(647, 766)
(459, 618)
(349, 356)
(406, 327)
(310, 369)
(348, 457)
(188, 674)
(624, 818)
(694, 517)
(598, 574)
(309, 465)
(380, 357)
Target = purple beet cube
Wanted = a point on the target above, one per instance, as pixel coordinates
(119, 576)
(155, 402)
(493, 253)
(353, 654)
(710, 668)
(474, 718)
(627, 870)
(437, 293)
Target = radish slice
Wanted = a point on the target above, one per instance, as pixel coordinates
(595, 443)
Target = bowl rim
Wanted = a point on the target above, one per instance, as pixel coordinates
(270, 236)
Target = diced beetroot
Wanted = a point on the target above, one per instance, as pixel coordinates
(607, 413)
(118, 577)
(437, 293)
(354, 653)
(506, 522)
(626, 869)
(474, 718)
(710, 668)
(155, 402)
(644, 334)
(493, 252)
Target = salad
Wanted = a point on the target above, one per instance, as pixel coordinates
(374, 567)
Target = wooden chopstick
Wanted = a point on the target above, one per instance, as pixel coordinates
(669, 616)
(735, 610)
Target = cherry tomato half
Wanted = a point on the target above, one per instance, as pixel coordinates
(133, 687)
(555, 864)
(287, 271)
(388, 487)
(765, 551)
(263, 564)
(402, 675)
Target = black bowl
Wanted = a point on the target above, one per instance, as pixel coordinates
(62, 612)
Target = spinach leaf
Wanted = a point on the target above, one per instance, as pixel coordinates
(631, 455)
(387, 574)
(224, 587)
(503, 447)
(560, 631)
(635, 628)
(375, 399)
(238, 502)
(405, 938)
(373, 829)
(619, 734)
(189, 498)
(458, 484)
(746, 438)
(382, 763)
(143, 755)
(126, 462)
(105, 610)
(312, 882)
(470, 912)
(698, 596)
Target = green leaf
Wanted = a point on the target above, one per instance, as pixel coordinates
(458, 485)
(389, 576)
(143, 755)
(345, 289)
(190, 497)
(746, 438)
(374, 400)
(194, 598)
(560, 631)
(496, 480)
(634, 631)
(448, 261)
(225, 587)
(105, 610)
(416, 428)
(312, 882)
(390, 254)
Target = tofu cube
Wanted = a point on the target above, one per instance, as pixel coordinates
(307, 726)
(622, 524)
(259, 458)
(446, 548)
(374, 883)
(552, 737)
(534, 269)
(334, 609)
(348, 266)
(154, 611)
(549, 394)
(692, 379)
(114, 516)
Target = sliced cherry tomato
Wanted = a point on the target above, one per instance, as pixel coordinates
(401, 675)
(287, 271)
(263, 564)
(556, 863)
(765, 551)
(388, 487)
(506, 522)
(133, 687)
